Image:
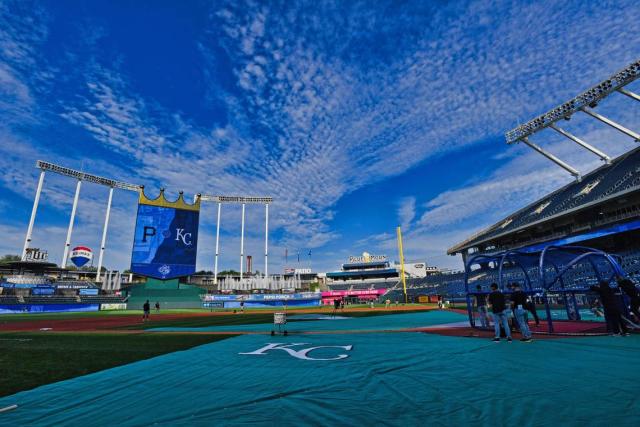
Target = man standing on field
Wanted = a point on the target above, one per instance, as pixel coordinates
(500, 316)
(146, 308)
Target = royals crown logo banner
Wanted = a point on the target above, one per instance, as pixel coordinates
(166, 237)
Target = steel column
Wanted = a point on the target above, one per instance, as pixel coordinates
(630, 94)
(36, 200)
(70, 229)
(553, 158)
(580, 142)
(242, 245)
(611, 123)
(266, 241)
(104, 235)
(215, 264)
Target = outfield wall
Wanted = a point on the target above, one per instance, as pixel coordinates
(304, 299)
(168, 293)
(46, 308)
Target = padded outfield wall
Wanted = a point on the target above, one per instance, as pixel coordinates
(169, 293)
(46, 308)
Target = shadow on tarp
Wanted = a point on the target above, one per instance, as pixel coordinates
(388, 379)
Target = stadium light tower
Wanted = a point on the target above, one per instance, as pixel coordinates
(34, 210)
(79, 176)
(72, 218)
(584, 103)
(120, 185)
(103, 242)
(242, 200)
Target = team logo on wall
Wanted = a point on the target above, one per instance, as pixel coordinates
(166, 237)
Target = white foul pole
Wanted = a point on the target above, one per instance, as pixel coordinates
(215, 264)
(242, 245)
(70, 229)
(104, 234)
(36, 200)
(266, 241)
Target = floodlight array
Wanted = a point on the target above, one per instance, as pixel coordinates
(236, 199)
(82, 176)
(588, 98)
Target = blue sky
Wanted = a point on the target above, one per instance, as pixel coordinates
(354, 116)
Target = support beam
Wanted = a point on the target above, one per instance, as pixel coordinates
(34, 210)
(630, 94)
(266, 241)
(580, 142)
(553, 158)
(401, 254)
(215, 264)
(611, 123)
(104, 235)
(70, 229)
(242, 245)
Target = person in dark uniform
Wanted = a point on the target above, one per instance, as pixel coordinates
(519, 304)
(481, 307)
(242, 306)
(632, 292)
(510, 312)
(531, 307)
(612, 313)
(336, 305)
(500, 314)
(157, 307)
(146, 309)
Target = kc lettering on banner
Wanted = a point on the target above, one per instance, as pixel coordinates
(185, 237)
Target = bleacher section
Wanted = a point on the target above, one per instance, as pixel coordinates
(619, 179)
(361, 286)
(451, 286)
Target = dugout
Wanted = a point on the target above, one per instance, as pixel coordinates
(557, 277)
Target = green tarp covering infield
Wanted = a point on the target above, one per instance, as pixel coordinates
(387, 379)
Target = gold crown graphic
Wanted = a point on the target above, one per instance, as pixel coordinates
(162, 201)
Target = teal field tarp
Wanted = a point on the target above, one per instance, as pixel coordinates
(387, 379)
(342, 323)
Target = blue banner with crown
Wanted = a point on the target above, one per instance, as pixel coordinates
(166, 237)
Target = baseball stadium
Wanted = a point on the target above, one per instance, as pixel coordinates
(539, 326)
(273, 349)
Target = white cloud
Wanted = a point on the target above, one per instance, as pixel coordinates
(407, 212)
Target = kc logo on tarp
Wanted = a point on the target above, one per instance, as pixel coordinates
(302, 353)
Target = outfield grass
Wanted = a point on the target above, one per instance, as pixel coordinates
(81, 314)
(29, 360)
(8, 318)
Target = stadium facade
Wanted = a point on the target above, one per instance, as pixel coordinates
(601, 211)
